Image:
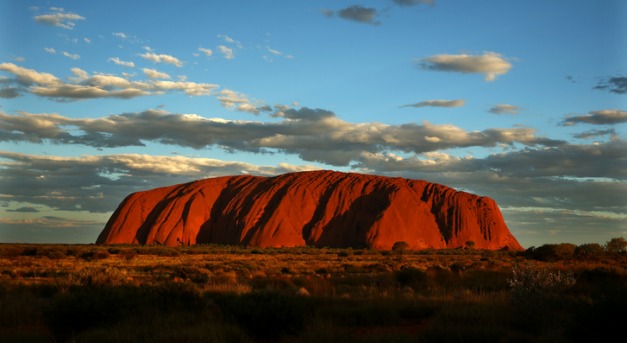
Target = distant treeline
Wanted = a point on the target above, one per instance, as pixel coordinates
(587, 251)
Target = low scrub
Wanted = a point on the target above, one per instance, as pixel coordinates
(86, 293)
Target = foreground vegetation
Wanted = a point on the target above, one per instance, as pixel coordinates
(86, 293)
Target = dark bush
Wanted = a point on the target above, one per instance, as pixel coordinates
(95, 255)
(552, 252)
(589, 251)
(616, 245)
(84, 308)
(345, 253)
(362, 313)
(266, 315)
(194, 274)
(400, 247)
(410, 276)
(128, 254)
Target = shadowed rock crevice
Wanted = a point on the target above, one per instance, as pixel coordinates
(317, 208)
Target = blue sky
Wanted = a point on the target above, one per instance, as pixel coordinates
(521, 101)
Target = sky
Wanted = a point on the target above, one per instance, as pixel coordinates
(521, 101)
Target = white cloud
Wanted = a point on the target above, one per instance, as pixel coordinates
(114, 175)
(71, 56)
(119, 62)
(207, 52)
(234, 100)
(230, 40)
(59, 18)
(226, 52)
(29, 76)
(83, 86)
(154, 74)
(275, 52)
(490, 64)
(313, 134)
(50, 50)
(162, 58)
(121, 35)
(80, 74)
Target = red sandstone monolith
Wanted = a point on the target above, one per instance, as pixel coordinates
(316, 208)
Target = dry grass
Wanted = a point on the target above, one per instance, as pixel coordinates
(58, 293)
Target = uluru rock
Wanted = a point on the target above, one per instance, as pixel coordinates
(316, 208)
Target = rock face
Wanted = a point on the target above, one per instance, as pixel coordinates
(317, 208)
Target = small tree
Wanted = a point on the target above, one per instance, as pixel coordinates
(616, 245)
(470, 244)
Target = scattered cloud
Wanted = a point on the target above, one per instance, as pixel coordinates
(601, 117)
(581, 180)
(438, 103)
(504, 109)
(275, 52)
(50, 50)
(25, 209)
(595, 133)
(119, 62)
(10, 92)
(155, 74)
(240, 102)
(490, 64)
(99, 183)
(366, 15)
(414, 2)
(207, 52)
(121, 35)
(313, 134)
(230, 40)
(162, 58)
(616, 85)
(71, 56)
(579, 177)
(84, 86)
(28, 77)
(226, 52)
(59, 18)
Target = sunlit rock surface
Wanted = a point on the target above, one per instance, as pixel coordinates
(317, 208)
